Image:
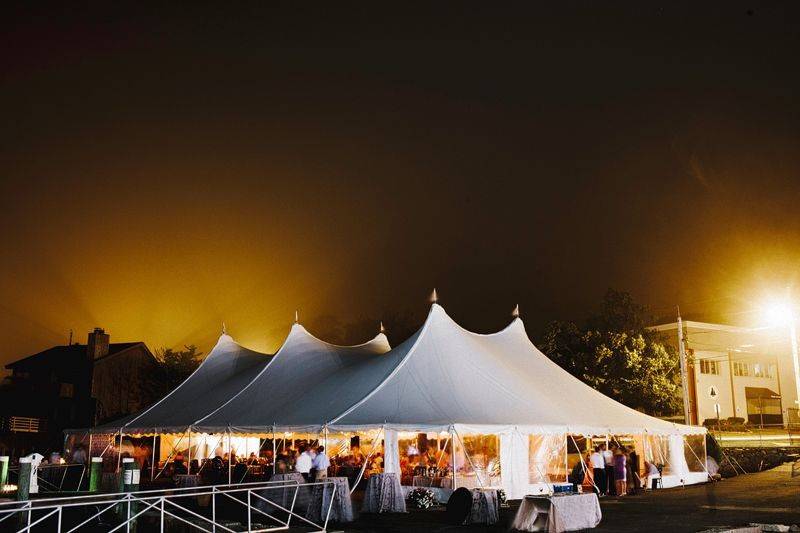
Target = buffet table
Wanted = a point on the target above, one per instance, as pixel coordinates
(557, 513)
(384, 494)
(341, 507)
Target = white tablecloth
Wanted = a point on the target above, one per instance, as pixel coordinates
(485, 507)
(384, 494)
(342, 506)
(283, 495)
(428, 481)
(567, 512)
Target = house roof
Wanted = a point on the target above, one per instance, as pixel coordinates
(68, 352)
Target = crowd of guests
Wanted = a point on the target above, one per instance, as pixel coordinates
(614, 470)
(308, 460)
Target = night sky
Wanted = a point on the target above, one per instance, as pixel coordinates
(164, 170)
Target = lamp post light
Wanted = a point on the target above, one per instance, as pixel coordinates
(782, 314)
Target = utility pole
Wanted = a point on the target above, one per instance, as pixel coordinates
(684, 379)
(795, 359)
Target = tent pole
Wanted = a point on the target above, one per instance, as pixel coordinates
(469, 459)
(566, 455)
(90, 448)
(189, 466)
(119, 450)
(153, 462)
(274, 450)
(453, 457)
(230, 457)
(325, 436)
(585, 466)
(366, 459)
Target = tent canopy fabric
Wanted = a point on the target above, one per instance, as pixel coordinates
(225, 371)
(443, 377)
(449, 376)
(308, 382)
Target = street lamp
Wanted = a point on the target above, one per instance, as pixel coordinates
(781, 313)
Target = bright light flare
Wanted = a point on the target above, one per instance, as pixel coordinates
(777, 313)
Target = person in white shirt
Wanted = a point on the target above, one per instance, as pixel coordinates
(598, 464)
(304, 463)
(608, 457)
(319, 468)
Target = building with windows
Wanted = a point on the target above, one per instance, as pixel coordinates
(76, 385)
(737, 372)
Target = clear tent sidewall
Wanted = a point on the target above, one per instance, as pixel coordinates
(531, 458)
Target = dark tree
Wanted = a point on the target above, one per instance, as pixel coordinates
(615, 354)
(174, 366)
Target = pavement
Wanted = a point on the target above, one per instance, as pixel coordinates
(771, 497)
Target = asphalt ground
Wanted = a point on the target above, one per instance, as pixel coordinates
(771, 497)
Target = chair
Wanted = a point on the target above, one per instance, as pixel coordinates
(459, 506)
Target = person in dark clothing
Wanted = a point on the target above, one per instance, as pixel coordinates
(634, 482)
(577, 475)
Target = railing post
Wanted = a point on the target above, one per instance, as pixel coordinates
(330, 505)
(249, 512)
(60, 509)
(162, 514)
(213, 509)
(23, 488)
(3, 470)
(95, 473)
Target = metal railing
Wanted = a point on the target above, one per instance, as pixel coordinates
(122, 511)
(53, 478)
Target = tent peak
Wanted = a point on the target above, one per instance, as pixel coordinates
(434, 297)
(515, 312)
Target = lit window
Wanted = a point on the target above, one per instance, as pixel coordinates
(763, 371)
(709, 367)
(741, 369)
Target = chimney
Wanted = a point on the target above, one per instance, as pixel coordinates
(97, 345)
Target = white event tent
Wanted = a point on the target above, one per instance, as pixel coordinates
(500, 411)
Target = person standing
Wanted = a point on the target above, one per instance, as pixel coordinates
(598, 471)
(620, 471)
(304, 462)
(608, 460)
(320, 465)
(634, 482)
